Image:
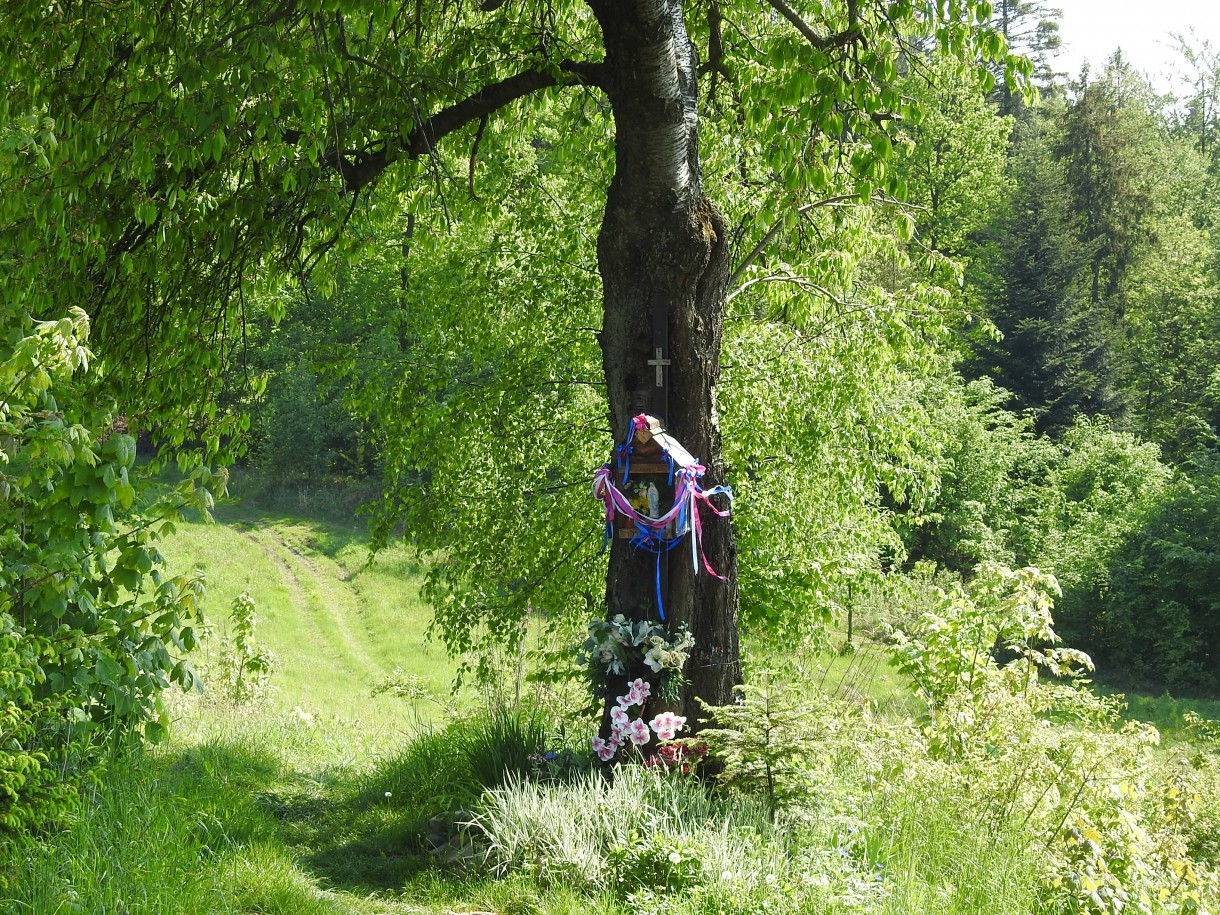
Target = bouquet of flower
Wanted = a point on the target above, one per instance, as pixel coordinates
(626, 730)
(624, 647)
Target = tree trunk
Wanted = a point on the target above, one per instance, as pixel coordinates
(663, 242)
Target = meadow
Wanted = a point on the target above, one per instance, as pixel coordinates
(351, 781)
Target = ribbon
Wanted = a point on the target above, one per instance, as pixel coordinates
(685, 513)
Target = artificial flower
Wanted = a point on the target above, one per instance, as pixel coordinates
(604, 751)
(638, 732)
(666, 725)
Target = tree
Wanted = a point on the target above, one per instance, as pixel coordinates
(955, 165)
(1030, 28)
(1051, 354)
(199, 152)
(1202, 99)
(1070, 248)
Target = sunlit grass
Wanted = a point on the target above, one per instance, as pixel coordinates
(337, 623)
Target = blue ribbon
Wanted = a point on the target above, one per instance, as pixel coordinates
(660, 603)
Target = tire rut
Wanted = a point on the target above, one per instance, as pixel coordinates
(310, 591)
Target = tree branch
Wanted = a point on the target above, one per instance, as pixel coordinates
(821, 42)
(474, 154)
(775, 229)
(423, 139)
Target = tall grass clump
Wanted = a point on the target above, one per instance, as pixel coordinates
(592, 830)
(126, 848)
(502, 742)
(429, 774)
(446, 768)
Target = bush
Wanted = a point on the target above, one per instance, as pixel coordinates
(89, 625)
(1156, 621)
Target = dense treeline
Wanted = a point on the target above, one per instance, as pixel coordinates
(1099, 271)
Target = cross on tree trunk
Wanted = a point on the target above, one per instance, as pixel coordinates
(663, 258)
(659, 362)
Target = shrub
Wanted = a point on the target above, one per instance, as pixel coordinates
(90, 623)
(243, 672)
(1156, 621)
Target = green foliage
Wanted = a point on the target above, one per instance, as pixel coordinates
(303, 429)
(1006, 612)
(992, 477)
(763, 743)
(1113, 820)
(244, 669)
(1075, 507)
(1056, 352)
(90, 620)
(659, 862)
(1095, 495)
(954, 166)
(30, 790)
(1154, 616)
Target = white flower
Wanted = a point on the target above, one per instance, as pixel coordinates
(666, 724)
(675, 857)
(604, 751)
(638, 732)
(653, 660)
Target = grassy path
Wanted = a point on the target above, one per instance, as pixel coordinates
(338, 624)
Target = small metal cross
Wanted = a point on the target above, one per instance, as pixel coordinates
(659, 362)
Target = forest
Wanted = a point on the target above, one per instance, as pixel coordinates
(327, 313)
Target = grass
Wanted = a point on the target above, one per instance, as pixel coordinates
(318, 801)
(337, 622)
(1169, 713)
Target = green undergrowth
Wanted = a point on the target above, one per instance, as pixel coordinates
(923, 773)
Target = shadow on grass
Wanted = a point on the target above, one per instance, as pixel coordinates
(327, 536)
(339, 827)
(1168, 713)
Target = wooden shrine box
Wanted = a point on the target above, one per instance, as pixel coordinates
(647, 466)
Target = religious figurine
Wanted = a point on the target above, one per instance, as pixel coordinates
(640, 501)
(654, 501)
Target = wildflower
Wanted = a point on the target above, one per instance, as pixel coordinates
(675, 857)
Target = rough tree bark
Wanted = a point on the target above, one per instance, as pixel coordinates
(663, 239)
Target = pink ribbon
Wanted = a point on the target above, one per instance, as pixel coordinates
(687, 496)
